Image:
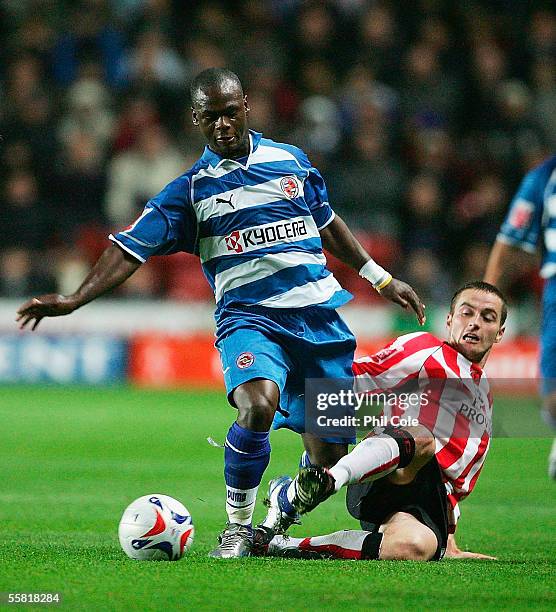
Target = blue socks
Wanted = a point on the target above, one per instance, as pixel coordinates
(304, 461)
(246, 457)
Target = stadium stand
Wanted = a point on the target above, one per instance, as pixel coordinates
(421, 127)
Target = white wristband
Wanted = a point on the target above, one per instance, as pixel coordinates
(374, 273)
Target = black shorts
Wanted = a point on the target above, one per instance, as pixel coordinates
(424, 498)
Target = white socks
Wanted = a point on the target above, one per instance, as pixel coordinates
(339, 545)
(240, 504)
(372, 458)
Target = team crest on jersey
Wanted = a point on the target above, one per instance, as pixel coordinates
(385, 353)
(290, 186)
(233, 242)
(245, 360)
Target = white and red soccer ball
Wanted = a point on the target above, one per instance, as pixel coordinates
(156, 527)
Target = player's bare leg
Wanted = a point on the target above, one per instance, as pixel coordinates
(256, 402)
(406, 538)
(549, 416)
(403, 449)
(325, 454)
(246, 456)
(402, 537)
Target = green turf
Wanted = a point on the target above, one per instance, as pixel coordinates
(72, 459)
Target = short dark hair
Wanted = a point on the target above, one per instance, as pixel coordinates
(487, 288)
(212, 77)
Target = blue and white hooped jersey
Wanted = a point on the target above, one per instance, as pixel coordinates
(254, 223)
(531, 218)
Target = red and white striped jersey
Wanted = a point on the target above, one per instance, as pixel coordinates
(455, 403)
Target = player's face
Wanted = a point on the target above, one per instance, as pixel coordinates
(475, 324)
(221, 114)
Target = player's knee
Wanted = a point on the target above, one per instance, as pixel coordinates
(327, 454)
(411, 547)
(256, 412)
(417, 548)
(256, 402)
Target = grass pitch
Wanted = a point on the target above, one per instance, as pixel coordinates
(72, 459)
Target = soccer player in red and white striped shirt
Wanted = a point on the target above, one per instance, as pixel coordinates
(419, 473)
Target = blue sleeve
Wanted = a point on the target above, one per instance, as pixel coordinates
(316, 197)
(523, 224)
(167, 225)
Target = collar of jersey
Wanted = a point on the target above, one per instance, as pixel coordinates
(216, 160)
(475, 369)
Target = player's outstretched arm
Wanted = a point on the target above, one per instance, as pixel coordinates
(338, 240)
(504, 259)
(453, 551)
(113, 267)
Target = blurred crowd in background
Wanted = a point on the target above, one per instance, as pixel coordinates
(422, 116)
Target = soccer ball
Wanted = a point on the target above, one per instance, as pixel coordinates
(156, 527)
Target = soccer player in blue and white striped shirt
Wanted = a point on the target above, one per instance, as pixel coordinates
(529, 227)
(257, 214)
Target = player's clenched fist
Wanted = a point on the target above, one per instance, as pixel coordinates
(401, 293)
(50, 305)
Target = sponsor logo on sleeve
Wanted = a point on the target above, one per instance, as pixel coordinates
(521, 214)
(385, 353)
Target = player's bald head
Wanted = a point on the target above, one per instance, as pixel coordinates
(219, 80)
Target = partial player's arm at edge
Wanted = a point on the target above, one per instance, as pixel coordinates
(503, 259)
(337, 239)
(112, 268)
